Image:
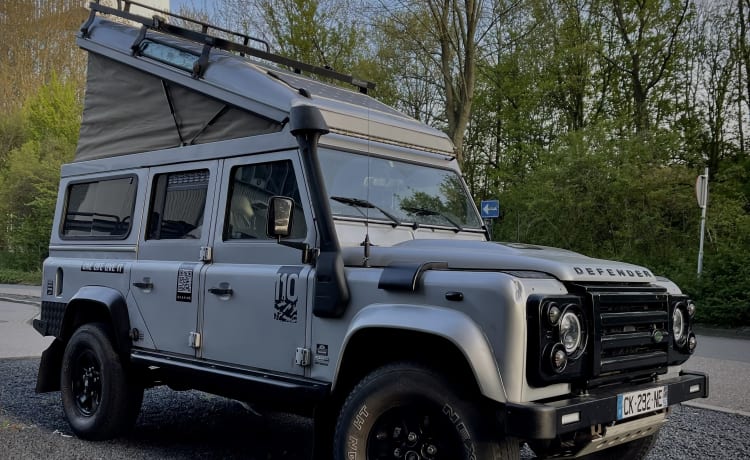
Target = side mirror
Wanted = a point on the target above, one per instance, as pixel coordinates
(280, 214)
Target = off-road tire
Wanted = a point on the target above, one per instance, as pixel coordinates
(100, 400)
(398, 399)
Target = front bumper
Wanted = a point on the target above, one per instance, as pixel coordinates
(599, 406)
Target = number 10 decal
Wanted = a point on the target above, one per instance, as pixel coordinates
(286, 294)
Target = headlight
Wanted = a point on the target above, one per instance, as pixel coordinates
(570, 332)
(678, 326)
(691, 309)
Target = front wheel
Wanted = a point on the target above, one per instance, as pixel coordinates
(406, 411)
(99, 399)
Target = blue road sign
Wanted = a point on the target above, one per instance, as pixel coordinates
(490, 209)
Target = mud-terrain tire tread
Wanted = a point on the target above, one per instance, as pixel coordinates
(386, 386)
(120, 396)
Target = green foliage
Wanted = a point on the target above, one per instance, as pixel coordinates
(12, 276)
(30, 172)
(54, 112)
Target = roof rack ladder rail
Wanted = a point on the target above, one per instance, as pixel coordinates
(160, 25)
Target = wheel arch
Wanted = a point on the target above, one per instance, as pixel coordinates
(444, 338)
(99, 303)
(89, 304)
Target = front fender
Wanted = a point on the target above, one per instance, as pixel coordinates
(452, 325)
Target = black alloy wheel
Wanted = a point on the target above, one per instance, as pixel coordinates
(407, 411)
(87, 383)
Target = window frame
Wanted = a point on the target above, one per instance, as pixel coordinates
(225, 234)
(156, 197)
(63, 217)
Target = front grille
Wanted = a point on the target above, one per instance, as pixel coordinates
(631, 330)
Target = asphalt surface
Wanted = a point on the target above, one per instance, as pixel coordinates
(191, 424)
(183, 425)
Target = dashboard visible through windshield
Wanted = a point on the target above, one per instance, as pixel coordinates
(397, 192)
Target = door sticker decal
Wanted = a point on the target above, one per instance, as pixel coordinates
(285, 289)
(185, 282)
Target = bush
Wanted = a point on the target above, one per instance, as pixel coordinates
(11, 276)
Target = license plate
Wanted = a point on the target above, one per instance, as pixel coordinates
(641, 402)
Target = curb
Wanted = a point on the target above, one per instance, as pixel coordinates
(739, 333)
(724, 410)
(20, 299)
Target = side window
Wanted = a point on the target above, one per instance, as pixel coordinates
(99, 209)
(251, 186)
(177, 205)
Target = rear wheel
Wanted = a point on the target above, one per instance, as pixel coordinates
(100, 401)
(406, 411)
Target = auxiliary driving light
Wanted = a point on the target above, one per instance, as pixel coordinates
(553, 314)
(691, 309)
(558, 358)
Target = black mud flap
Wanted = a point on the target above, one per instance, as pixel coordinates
(50, 366)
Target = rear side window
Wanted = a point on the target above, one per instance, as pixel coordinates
(178, 205)
(100, 209)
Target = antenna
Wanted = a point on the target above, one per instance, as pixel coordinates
(366, 243)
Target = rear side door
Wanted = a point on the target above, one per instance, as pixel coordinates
(166, 283)
(256, 290)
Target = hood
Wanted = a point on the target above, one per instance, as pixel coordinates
(481, 255)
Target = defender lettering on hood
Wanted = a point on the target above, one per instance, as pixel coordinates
(613, 273)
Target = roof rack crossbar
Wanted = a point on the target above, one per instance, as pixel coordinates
(206, 38)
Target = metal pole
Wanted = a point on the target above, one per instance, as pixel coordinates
(703, 222)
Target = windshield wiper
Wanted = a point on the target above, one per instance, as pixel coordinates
(429, 212)
(360, 203)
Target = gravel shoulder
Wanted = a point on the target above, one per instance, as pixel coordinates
(191, 424)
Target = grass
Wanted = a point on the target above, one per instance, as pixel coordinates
(12, 276)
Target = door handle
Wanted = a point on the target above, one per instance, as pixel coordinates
(221, 291)
(144, 285)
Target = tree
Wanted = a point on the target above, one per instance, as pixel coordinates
(30, 174)
(37, 38)
(647, 34)
(447, 34)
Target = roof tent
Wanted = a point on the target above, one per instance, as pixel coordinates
(155, 85)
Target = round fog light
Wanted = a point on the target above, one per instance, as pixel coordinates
(558, 358)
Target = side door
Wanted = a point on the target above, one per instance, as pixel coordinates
(256, 290)
(165, 281)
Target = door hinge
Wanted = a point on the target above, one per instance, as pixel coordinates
(302, 357)
(206, 254)
(194, 340)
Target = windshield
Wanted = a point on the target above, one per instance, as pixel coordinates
(386, 189)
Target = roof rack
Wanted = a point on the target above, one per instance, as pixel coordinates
(209, 38)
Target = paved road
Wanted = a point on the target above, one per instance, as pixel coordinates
(17, 337)
(190, 424)
(196, 425)
(727, 362)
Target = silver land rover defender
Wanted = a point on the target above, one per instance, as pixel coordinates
(237, 228)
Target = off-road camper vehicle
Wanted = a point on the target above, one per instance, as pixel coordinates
(232, 226)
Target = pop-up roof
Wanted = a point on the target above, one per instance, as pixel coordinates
(161, 86)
